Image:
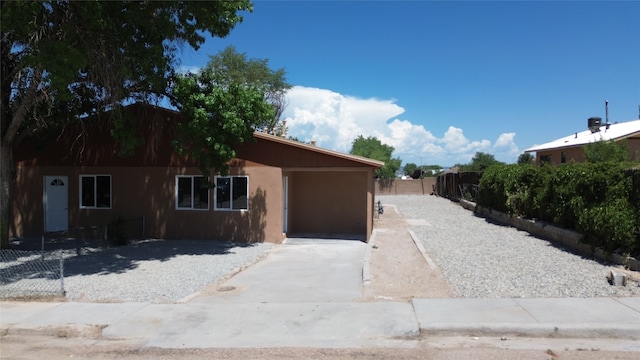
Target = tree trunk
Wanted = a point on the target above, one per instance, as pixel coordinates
(7, 178)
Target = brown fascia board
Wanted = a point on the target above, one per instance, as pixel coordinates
(294, 143)
(301, 145)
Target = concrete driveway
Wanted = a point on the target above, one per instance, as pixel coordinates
(303, 270)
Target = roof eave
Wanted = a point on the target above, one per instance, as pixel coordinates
(560, 147)
(314, 148)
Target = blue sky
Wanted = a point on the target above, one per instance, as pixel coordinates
(440, 81)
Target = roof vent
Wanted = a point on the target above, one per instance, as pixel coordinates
(594, 124)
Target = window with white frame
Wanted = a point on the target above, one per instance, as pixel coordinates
(192, 193)
(95, 191)
(232, 193)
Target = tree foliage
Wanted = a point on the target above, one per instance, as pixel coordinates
(64, 59)
(525, 158)
(232, 68)
(606, 151)
(480, 162)
(425, 170)
(217, 118)
(409, 168)
(431, 170)
(372, 148)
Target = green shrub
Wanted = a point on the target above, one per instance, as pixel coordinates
(507, 188)
(540, 203)
(612, 226)
(601, 200)
(521, 181)
(492, 193)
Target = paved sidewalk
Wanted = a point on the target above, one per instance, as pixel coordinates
(547, 317)
(326, 324)
(269, 306)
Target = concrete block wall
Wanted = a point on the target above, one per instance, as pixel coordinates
(405, 187)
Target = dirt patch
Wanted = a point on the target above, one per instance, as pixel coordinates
(398, 270)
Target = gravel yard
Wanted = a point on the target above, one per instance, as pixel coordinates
(157, 271)
(481, 259)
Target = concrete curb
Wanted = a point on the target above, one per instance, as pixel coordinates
(422, 250)
(572, 331)
(530, 317)
(366, 267)
(85, 331)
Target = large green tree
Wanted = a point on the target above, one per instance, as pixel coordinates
(230, 67)
(62, 60)
(409, 168)
(219, 113)
(525, 158)
(480, 162)
(373, 148)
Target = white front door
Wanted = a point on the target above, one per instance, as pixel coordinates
(56, 203)
(285, 203)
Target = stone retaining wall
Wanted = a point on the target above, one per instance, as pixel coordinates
(568, 238)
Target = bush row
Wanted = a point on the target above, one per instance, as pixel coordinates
(599, 200)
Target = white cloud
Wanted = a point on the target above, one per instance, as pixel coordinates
(459, 149)
(505, 148)
(334, 120)
(455, 142)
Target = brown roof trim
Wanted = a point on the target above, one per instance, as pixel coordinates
(301, 145)
(279, 139)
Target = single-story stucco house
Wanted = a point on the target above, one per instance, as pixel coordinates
(275, 188)
(570, 148)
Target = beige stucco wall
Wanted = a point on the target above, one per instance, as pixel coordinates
(572, 155)
(576, 154)
(320, 202)
(329, 202)
(155, 200)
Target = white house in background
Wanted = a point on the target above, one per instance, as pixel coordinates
(570, 148)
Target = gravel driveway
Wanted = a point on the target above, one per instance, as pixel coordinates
(482, 259)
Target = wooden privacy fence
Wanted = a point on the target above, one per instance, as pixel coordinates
(458, 185)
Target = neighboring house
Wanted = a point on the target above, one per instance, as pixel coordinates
(276, 187)
(570, 148)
